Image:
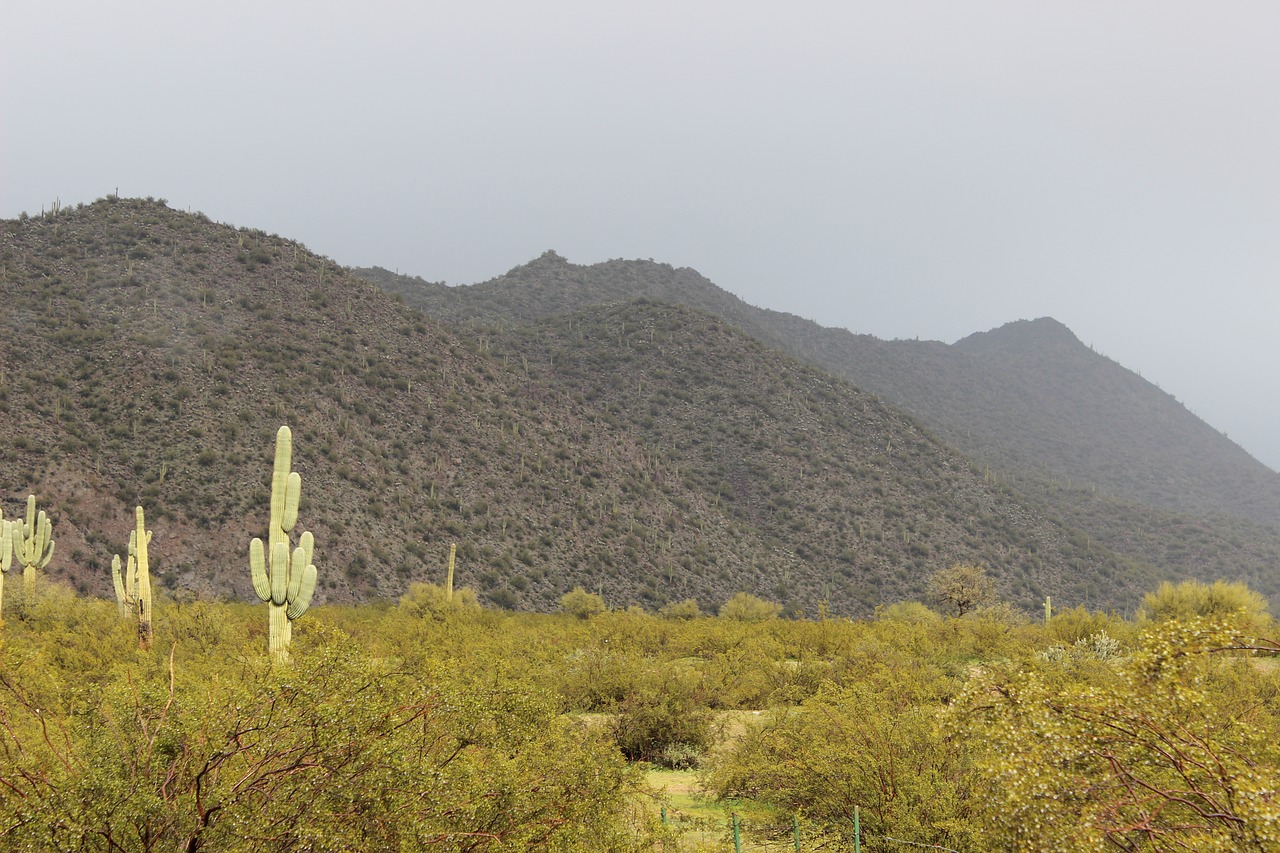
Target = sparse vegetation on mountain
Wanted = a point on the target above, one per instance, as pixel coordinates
(1088, 443)
(642, 450)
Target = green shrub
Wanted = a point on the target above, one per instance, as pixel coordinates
(745, 607)
(906, 611)
(665, 720)
(687, 609)
(1218, 600)
(582, 604)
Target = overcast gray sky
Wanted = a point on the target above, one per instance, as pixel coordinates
(905, 169)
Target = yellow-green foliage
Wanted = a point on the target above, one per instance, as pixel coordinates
(1218, 600)
(1174, 746)
(907, 611)
(686, 609)
(871, 745)
(582, 604)
(745, 607)
(433, 600)
(203, 745)
(962, 588)
(974, 733)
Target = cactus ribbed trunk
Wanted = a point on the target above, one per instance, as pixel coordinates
(144, 581)
(6, 557)
(279, 633)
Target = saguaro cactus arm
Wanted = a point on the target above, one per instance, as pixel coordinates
(6, 543)
(117, 580)
(258, 569)
(306, 589)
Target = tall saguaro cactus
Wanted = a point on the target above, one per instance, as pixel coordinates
(133, 586)
(33, 545)
(142, 538)
(136, 576)
(285, 581)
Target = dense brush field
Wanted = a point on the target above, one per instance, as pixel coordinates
(420, 725)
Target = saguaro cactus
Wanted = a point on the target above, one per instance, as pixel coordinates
(286, 582)
(142, 538)
(448, 582)
(6, 556)
(133, 586)
(33, 544)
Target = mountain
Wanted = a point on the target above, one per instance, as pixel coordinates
(154, 354)
(1088, 441)
(649, 452)
(1028, 397)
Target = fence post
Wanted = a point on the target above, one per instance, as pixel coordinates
(795, 830)
(737, 836)
(857, 832)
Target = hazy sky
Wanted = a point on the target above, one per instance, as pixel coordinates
(905, 169)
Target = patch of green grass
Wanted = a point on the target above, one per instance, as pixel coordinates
(703, 824)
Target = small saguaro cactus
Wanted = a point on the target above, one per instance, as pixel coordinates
(33, 545)
(133, 587)
(6, 556)
(285, 582)
(448, 581)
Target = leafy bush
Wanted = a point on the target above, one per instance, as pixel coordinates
(432, 600)
(582, 604)
(1171, 747)
(906, 611)
(1218, 600)
(745, 607)
(665, 720)
(962, 588)
(871, 746)
(687, 609)
(116, 748)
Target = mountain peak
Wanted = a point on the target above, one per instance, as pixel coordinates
(1039, 334)
(551, 256)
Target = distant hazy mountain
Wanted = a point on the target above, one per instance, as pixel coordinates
(1028, 399)
(1085, 440)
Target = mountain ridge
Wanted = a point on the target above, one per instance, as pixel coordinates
(646, 451)
(1060, 428)
(160, 351)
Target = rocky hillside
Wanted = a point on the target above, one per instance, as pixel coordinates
(1027, 399)
(650, 453)
(1075, 434)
